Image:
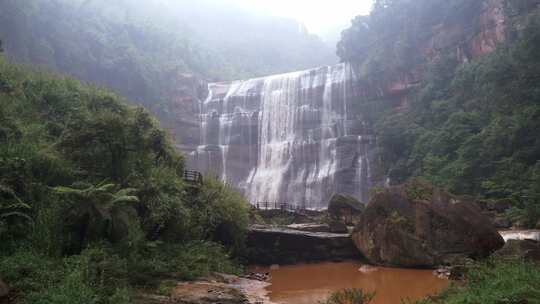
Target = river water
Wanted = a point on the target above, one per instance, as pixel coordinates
(311, 283)
(520, 235)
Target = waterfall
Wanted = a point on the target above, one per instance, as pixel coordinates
(287, 138)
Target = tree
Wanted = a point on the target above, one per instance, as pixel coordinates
(97, 212)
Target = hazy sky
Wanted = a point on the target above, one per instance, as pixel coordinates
(318, 15)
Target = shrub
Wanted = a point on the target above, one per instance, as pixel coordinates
(349, 296)
(221, 214)
(495, 281)
(96, 275)
(181, 262)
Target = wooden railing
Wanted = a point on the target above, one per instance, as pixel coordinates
(194, 177)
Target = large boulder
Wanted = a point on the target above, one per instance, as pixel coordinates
(344, 208)
(4, 290)
(419, 225)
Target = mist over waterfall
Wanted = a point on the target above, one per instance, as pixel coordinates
(287, 138)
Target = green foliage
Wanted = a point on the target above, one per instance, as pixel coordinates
(386, 41)
(495, 281)
(349, 296)
(419, 190)
(221, 214)
(180, 262)
(144, 50)
(13, 211)
(468, 128)
(92, 200)
(99, 212)
(95, 276)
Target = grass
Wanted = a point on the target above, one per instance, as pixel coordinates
(496, 281)
(99, 275)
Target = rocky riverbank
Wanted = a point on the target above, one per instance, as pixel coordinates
(218, 288)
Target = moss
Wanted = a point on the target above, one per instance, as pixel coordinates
(419, 190)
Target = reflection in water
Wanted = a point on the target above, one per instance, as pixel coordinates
(311, 283)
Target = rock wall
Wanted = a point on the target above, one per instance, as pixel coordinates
(267, 246)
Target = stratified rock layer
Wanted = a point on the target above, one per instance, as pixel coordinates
(287, 138)
(287, 246)
(418, 225)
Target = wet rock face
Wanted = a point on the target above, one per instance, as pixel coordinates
(268, 246)
(287, 138)
(181, 116)
(418, 225)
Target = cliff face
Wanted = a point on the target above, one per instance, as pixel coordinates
(465, 42)
(181, 116)
(300, 137)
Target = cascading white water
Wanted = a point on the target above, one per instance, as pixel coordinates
(285, 138)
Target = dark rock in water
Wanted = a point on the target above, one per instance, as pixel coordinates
(418, 225)
(344, 208)
(268, 246)
(443, 272)
(338, 227)
(257, 276)
(4, 290)
(522, 249)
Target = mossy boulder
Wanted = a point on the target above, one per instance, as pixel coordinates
(419, 225)
(344, 208)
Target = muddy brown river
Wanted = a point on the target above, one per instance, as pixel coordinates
(311, 283)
